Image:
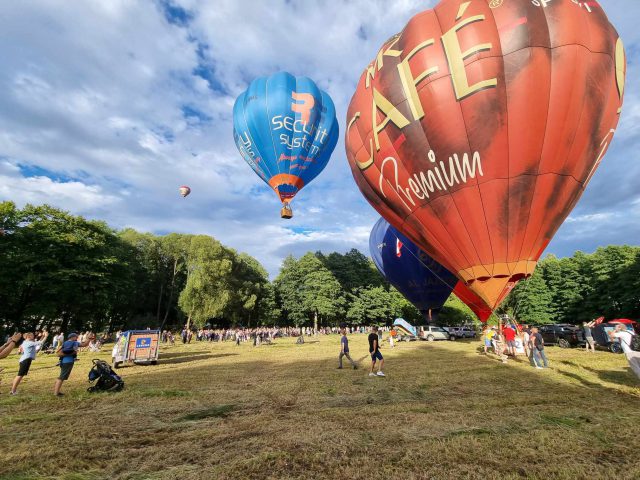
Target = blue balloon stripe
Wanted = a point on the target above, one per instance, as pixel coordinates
(418, 277)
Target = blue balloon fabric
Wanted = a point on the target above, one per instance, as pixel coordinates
(422, 280)
(285, 128)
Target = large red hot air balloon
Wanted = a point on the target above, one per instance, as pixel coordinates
(476, 129)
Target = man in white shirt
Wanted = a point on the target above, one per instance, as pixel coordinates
(625, 338)
(29, 349)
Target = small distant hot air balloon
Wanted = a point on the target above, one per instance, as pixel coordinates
(417, 276)
(184, 191)
(285, 128)
(476, 129)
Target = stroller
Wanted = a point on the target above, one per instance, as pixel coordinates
(107, 379)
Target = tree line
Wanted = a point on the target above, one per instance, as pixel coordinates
(60, 271)
(580, 288)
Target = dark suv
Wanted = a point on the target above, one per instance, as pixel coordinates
(562, 334)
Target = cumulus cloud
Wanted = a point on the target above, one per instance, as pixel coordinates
(119, 103)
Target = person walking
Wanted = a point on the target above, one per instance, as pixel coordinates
(374, 351)
(68, 352)
(30, 348)
(625, 337)
(344, 350)
(538, 354)
(589, 344)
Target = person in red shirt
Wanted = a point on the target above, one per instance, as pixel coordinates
(510, 339)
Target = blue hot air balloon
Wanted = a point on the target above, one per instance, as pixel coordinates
(417, 276)
(421, 280)
(286, 129)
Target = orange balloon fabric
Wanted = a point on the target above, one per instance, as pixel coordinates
(475, 130)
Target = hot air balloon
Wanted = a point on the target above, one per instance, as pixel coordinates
(184, 191)
(285, 128)
(476, 129)
(422, 280)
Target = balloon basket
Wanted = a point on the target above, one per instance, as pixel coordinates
(286, 212)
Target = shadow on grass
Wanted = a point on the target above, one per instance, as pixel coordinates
(183, 354)
(192, 358)
(612, 376)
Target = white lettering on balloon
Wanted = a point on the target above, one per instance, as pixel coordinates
(312, 134)
(440, 177)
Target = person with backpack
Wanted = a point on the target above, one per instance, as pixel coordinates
(626, 340)
(30, 348)
(68, 352)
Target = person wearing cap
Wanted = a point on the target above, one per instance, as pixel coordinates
(68, 352)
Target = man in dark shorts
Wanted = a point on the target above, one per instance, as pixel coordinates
(29, 348)
(69, 352)
(374, 350)
(344, 349)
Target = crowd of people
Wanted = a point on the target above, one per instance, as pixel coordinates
(505, 340)
(510, 340)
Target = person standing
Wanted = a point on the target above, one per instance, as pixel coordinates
(58, 338)
(344, 350)
(68, 353)
(538, 349)
(526, 343)
(487, 334)
(30, 348)
(510, 339)
(392, 337)
(589, 344)
(625, 337)
(374, 351)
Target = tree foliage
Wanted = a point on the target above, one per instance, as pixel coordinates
(61, 271)
(585, 286)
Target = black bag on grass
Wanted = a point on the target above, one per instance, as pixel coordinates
(106, 379)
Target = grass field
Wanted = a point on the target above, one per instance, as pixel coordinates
(217, 411)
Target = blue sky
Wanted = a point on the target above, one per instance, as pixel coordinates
(107, 107)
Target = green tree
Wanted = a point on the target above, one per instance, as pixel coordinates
(309, 291)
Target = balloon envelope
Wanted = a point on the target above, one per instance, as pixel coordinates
(476, 129)
(184, 191)
(422, 280)
(285, 128)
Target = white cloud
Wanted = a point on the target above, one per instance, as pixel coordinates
(96, 91)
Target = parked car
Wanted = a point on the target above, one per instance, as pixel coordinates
(601, 334)
(430, 333)
(461, 332)
(563, 335)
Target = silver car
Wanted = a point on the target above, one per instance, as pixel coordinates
(430, 333)
(461, 332)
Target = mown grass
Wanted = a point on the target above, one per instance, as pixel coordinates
(217, 411)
